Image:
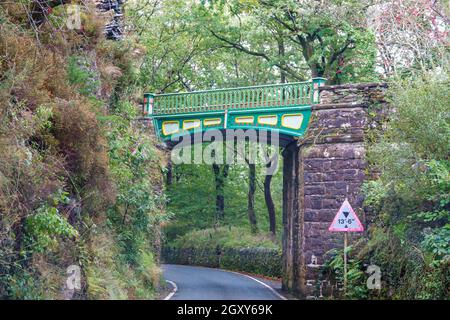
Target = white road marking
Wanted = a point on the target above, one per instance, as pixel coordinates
(260, 282)
(174, 290)
(224, 270)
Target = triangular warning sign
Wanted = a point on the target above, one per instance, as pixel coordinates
(346, 220)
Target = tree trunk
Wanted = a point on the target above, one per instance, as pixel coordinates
(169, 175)
(251, 197)
(269, 203)
(268, 194)
(219, 177)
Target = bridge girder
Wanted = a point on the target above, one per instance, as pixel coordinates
(287, 122)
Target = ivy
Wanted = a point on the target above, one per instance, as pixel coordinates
(437, 242)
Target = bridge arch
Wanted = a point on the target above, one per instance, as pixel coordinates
(324, 163)
(262, 136)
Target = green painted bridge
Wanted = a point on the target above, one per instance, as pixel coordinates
(285, 108)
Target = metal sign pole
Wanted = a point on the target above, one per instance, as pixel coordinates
(345, 262)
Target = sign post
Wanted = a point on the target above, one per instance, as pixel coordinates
(345, 261)
(346, 221)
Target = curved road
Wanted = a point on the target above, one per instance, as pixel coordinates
(199, 283)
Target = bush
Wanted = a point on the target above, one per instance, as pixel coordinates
(80, 75)
(43, 227)
(60, 172)
(410, 238)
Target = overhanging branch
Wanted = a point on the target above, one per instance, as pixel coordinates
(40, 9)
(241, 48)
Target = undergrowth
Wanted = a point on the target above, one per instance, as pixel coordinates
(79, 180)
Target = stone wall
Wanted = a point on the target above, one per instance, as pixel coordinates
(262, 261)
(320, 171)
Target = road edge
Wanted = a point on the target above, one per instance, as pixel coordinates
(174, 290)
(260, 282)
(279, 295)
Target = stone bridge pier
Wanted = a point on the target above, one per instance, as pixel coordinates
(320, 171)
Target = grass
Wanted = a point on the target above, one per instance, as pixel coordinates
(225, 237)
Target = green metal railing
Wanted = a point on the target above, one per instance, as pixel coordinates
(276, 95)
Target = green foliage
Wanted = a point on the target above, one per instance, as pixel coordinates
(411, 236)
(44, 115)
(407, 271)
(375, 192)
(55, 135)
(328, 39)
(183, 55)
(139, 207)
(356, 278)
(224, 237)
(23, 285)
(78, 74)
(46, 224)
(201, 214)
(436, 242)
(421, 117)
(132, 160)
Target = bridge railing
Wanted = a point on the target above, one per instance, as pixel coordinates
(275, 95)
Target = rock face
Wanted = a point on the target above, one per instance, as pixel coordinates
(320, 171)
(114, 29)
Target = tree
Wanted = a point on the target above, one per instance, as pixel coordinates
(184, 56)
(300, 38)
(169, 173)
(268, 194)
(410, 34)
(170, 44)
(220, 174)
(251, 197)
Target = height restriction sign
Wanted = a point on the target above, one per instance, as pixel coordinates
(346, 220)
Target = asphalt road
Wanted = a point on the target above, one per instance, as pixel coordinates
(199, 283)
